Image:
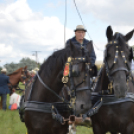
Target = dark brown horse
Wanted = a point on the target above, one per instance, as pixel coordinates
(116, 114)
(51, 73)
(14, 78)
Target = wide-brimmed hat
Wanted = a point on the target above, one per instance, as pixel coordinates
(4, 70)
(80, 28)
(36, 69)
(33, 71)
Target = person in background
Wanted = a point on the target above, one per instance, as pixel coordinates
(36, 69)
(4, 90)
(14, 98)
(33, 73)
(79, 40)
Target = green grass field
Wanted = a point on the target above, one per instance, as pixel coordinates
(10, 123)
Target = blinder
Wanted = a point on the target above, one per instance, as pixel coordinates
(71, 69)
(75, 71)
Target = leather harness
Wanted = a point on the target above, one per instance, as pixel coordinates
(65, 106)
(108, 70)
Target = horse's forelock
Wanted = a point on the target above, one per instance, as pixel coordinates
(121, 39)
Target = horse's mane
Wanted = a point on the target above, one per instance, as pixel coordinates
(57, 58)
(15, 72)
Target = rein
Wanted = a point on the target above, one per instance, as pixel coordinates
(64, 106)
(52, 91)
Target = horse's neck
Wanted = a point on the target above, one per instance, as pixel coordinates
(103, 81)
(14, 79)
(41, 93)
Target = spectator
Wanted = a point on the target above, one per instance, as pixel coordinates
(36, 69)
(4, 90)
(14, 98)
(33, 73)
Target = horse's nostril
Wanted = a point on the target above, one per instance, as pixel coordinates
(82, 106)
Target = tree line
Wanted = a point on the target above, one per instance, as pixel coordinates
(31, 64)
(11, 67)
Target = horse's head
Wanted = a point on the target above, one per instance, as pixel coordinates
(118, 56)
(23, 75)
(27, 74)
(77, 73)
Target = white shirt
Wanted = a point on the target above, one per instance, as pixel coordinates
(15, 98)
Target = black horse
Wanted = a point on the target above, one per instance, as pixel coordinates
(49, 77)
(116, 114)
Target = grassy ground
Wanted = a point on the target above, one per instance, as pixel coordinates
(21, 85)
(10, 122)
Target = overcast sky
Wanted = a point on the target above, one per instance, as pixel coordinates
(38, 25)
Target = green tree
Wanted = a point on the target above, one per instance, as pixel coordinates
(11, 67)
(31, 64)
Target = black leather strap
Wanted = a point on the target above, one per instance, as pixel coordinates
(46, 107)
(49, 88)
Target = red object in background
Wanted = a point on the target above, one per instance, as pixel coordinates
(14, 106)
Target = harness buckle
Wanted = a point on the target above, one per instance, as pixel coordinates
(110, 88)
(72, 102)
(64, 79)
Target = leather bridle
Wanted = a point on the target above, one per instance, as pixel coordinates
(73, 88)
(117, 51)
(69, 105)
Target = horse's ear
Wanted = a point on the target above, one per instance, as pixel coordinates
(109, 33)
(129, 35)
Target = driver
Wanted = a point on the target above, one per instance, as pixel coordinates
(79, 40)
